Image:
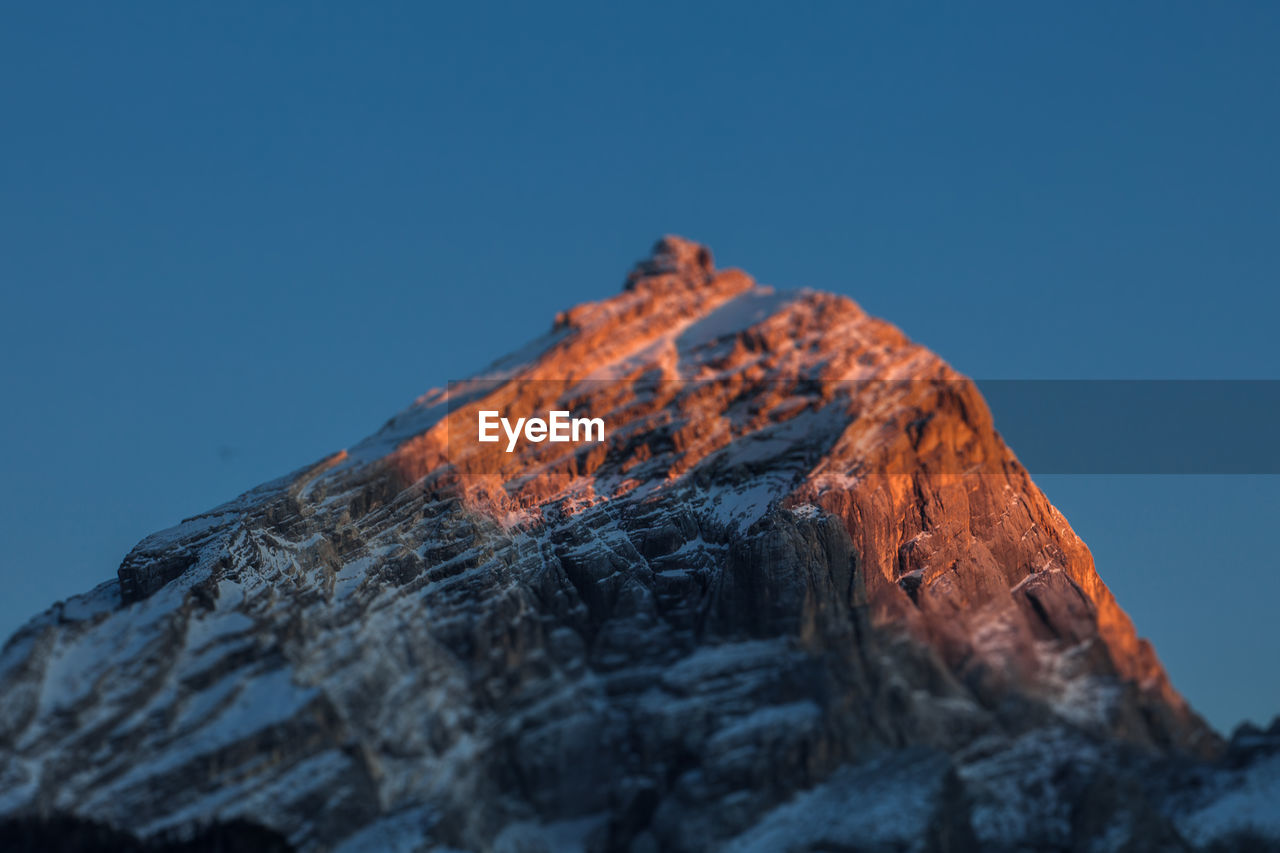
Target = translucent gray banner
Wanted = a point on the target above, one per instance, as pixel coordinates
(1139, 426)
(1053, 426)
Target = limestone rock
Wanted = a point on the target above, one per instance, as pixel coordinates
(802, 596)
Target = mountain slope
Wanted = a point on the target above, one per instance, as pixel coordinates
(801, 572)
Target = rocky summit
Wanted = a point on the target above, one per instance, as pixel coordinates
(800, 596)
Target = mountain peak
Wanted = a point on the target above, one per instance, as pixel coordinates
(674, 256)
(797, 543)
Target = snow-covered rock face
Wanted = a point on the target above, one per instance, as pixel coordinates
(802, 596)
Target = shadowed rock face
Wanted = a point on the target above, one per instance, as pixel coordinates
(801, 597)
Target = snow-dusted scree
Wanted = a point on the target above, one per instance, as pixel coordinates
(797, 595)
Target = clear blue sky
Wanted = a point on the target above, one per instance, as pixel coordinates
(237, 236)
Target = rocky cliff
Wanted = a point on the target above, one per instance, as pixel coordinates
(801, 597)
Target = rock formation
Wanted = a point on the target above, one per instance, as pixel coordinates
(801, 597)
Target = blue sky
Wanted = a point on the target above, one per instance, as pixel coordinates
(235, 237)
